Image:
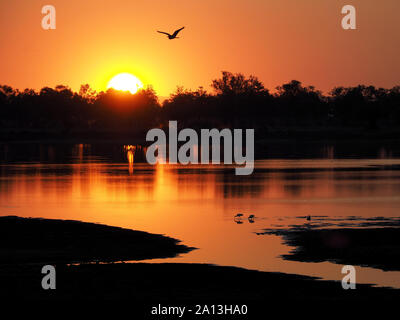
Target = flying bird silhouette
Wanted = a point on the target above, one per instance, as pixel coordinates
(172, 36)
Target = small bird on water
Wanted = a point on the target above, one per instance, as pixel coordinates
(238, 218)
(308, 218)
(172, 36)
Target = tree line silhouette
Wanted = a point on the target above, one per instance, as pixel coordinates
(235, 102)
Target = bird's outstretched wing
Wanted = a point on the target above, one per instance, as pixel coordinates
(164, 33)
(177, 31)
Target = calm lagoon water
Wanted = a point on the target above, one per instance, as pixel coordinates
(112, 184)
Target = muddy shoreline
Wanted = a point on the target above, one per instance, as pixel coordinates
(29, 243)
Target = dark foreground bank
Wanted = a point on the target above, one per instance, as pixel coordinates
(27, 242)
(33, 240)
(177, 283)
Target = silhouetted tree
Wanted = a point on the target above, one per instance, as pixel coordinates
(236, 101)
(237, 84)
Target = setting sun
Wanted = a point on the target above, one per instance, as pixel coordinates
(125, 82)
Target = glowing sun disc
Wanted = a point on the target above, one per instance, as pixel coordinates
(125, 82)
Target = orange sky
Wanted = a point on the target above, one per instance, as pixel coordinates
(276, 40)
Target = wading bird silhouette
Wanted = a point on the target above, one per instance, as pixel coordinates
(172, 36)
(238, 218)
